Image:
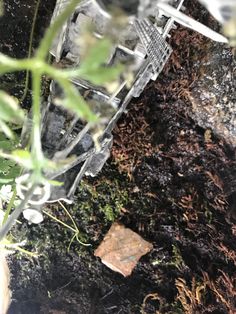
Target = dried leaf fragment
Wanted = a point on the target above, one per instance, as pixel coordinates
(121, 249)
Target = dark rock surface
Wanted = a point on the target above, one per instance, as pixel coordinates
(213, 95)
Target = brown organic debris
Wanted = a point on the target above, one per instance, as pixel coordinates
(229, 254)
(224, 290)
(151, 296)
(189, 298)
(132, 139)
(121, 249)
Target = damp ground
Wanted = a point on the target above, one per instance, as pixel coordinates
(168, 179)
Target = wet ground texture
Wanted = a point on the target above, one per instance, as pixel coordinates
(170, 180)
(15, 31)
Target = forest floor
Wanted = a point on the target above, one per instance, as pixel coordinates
(169, 180)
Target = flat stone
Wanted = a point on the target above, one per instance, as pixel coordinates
(121, 249)
(213, 94)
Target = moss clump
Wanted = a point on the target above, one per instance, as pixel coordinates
(103, 199)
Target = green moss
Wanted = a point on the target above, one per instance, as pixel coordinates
(109, 212)
(177, 259)
(98, 203)
(105, 199)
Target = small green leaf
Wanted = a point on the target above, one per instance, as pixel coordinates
(19, 156)
(103, 74)
(5, 165)
(9, 170)
(23, 157)
(6, 130)
(5, 181)
(6, 145)
(74, 102)
(14, 171)
(55, 183)
(93, 68)
(97, 55)
(9, 109)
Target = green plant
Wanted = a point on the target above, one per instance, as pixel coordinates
(105, 199)
(91, 68)
(177, 259)
(9, 169)
(74, 229)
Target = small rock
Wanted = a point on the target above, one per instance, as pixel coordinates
(213, 96)
(121, 249)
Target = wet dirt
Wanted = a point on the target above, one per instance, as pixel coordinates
(15, 29)
(176, 188)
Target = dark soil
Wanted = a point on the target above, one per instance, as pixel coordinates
(15, 28)
(169, 180)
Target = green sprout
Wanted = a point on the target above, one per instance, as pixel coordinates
(92, 69)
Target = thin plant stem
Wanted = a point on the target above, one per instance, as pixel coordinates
(59, 221)
(30, 50)
(9, 206)
(77, 230)
(11, 203)
(16, 213)
(80, 242)
(37, 153)
(21, 250)
(69, 215)
(71, 241)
